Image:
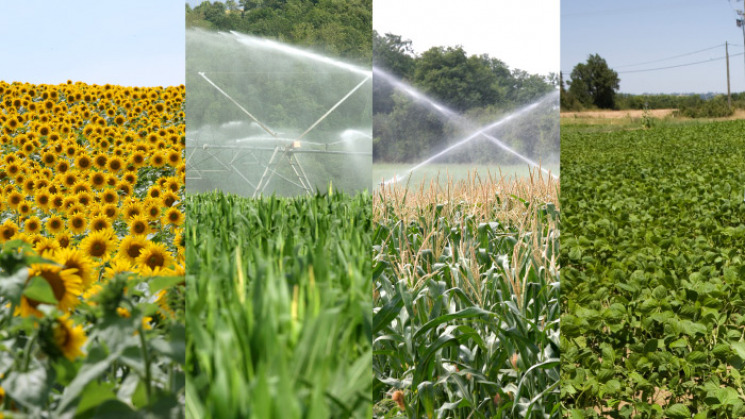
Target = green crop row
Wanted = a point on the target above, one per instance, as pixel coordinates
(278, 308)
(466, 303)
(653, 272)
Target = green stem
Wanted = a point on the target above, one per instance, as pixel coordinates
(27, 354)
(146, 358)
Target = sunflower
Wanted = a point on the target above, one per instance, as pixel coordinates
(69, 179)
(117, 266)
(130, 248)
(69, 338)
(29, 186)
(157, 160)
(115, 164)
(32, 225)
(55, 224)
(49, 158)
(83, 162)
(42, 199)
(14, 199)
(8, 230)
(100, 161)
(109, 196)
(100, 222)
(85, 198)
(137, 159)
(46, 244)
(75, 259)
(169, 198)
(138, 225)
(124, 187)
(111, 211)
(81, 186)
(154, 192)
(65, 283)
(99, 244)
(153, 209)
(173, 216)
(154, 258)
(130, 178)
(25, 208)
(97, 180)
(77, 223)
(131, 209)
(63, 239)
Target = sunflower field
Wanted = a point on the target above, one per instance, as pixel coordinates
(91, 250)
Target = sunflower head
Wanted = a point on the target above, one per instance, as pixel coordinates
(139, 225)
(65, 283)
(154, 258)
(131, 247)
(61, 337)
(99, 244)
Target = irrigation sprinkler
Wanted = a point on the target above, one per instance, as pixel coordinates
(284, 149)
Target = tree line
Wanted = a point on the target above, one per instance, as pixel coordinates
(479, 87)
(594, 85)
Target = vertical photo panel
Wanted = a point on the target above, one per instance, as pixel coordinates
(91, 210)
(653, 225)
(465, 209)
(278, 232)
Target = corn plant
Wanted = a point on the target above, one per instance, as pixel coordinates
(466, 297)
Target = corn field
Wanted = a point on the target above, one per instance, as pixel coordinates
(466, 299)
(278, 309)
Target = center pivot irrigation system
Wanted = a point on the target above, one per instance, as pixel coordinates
(284, 150)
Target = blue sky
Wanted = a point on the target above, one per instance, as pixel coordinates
(636, 32)
(129, 43)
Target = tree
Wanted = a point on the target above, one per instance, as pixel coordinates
(454, 78)
(394, 54)
(594, 83)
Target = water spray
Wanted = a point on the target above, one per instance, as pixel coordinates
(290, 50)
(460, 120)
(482, 132)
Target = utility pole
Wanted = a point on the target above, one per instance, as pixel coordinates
(741, 24)
(726, 53)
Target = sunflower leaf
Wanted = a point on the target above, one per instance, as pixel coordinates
(38, 289)
(162, 282)
(11, 287)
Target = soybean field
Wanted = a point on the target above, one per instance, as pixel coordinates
(653, 272)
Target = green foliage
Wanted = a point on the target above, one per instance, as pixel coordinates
(594, 83)
(337, 28)
(466, 313)
(279, 306)
(696, 107)
(129, 367)
(653, 272)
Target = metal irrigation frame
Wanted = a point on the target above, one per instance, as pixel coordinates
(285, 151)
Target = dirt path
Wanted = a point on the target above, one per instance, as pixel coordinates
(605, 114)
(633, 113)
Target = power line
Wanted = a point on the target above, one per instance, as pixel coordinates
(681, 65)
(672, 57)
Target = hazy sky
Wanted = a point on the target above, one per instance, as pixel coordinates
(522, 33)
(648, 33)
(129, 43)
